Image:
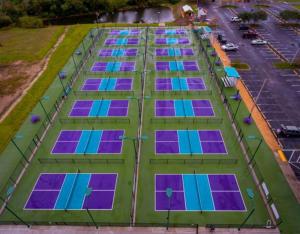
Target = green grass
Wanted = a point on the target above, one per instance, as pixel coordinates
(286, 65)
(240, 66)
(14, 120)
(27, 44)
(229, 6)
(261, 6)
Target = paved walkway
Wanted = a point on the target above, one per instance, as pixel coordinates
(125, 230)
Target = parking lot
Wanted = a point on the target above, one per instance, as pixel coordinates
(279, 99)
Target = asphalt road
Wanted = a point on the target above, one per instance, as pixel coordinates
(280, 97)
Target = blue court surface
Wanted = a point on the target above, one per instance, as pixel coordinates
(73, 191)
(198, 192)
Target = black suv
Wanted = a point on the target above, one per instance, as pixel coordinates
(243, 27)
(221, 38)
(288, 131)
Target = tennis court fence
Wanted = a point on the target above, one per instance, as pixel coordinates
(128, 224)
(100, 94)
(187, 93)
(94, 120)
(206, 48)
(212, 120)
(7, 188)
(80, 161)
(194, 161)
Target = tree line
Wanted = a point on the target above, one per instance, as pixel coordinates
(12, 10)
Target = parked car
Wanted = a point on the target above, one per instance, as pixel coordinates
(250, 34)
(288, 131)
(259, 42)
(230, 47)
(221, 38)
(235, 19)
(243, 27)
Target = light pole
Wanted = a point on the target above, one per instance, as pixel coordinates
(17, 147)
(138, 99)
(295, 56)
(257, 97)
(252, 137)
(61, 76)
(250, 194)
(134, 140)
(41, 103)
(13, 213)
(87, 194)
(169, 193)
(158, 17)
(97, 19)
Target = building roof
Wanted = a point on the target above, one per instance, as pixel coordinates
(232, 72)
(187, 8)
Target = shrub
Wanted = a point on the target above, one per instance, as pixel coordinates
(5, 20)
(30, 22)
(174, 1)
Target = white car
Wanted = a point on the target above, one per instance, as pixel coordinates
(235, 19)
(230, 47)
(259, 42)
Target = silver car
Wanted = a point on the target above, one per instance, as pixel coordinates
(259, 42)
(230, 47)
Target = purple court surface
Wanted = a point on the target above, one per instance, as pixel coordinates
(176, 66)
(183, 108)
(172, 41)
(89, 142)
(99, 108)
(130, 52)
(180, 84)
(113, 67)
(189, 142)
(121, 41)
(160, 52)
(73, 191)
(198, 192)
(107, 84)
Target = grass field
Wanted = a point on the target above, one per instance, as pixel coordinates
(123, 164)
(37, 41)
(16, 118)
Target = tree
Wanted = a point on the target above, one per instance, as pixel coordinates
(290, 15)
(259, 15)
(245, 16)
